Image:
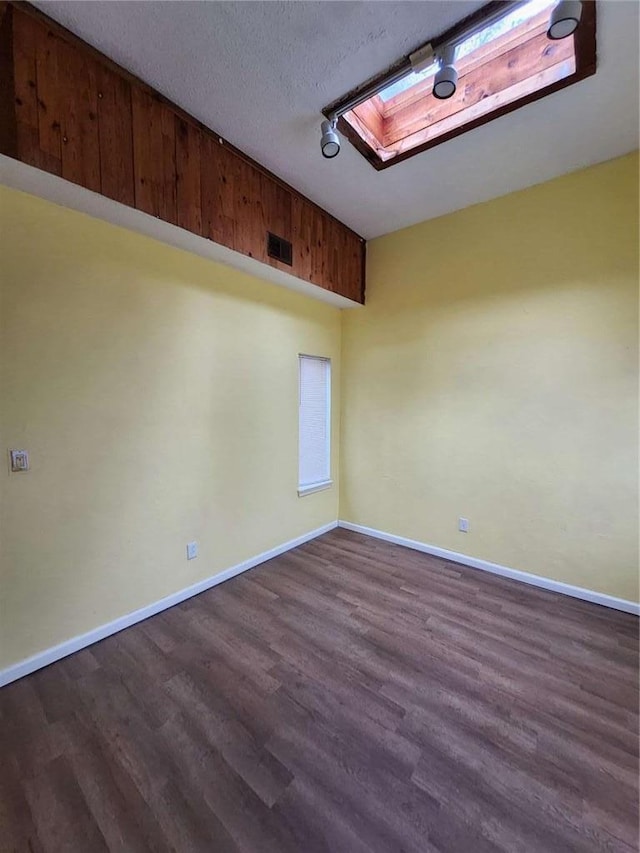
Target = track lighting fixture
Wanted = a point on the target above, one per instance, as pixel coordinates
(564, 19)
(431, 71)
(330, 141)
(446, 79)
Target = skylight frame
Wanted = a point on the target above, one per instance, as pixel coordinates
(584, 40)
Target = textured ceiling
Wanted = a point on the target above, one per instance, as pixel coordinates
(259, 74)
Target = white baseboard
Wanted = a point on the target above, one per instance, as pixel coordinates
(504, 571)
(24, 667)
(68, 647)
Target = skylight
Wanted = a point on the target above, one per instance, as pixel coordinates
(500, 67)
(514, 19)
(408, 82)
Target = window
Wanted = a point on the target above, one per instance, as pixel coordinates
(501, 66)
(314, 471)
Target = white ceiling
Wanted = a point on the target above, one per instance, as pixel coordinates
(259, 74)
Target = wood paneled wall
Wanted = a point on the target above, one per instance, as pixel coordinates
(68, 110)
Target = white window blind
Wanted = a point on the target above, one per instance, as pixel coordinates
(315, 424)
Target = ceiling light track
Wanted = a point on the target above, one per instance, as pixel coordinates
(563, 22)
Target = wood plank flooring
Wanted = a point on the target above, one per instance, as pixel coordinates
(350, 695)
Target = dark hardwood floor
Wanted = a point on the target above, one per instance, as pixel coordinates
(350, 695)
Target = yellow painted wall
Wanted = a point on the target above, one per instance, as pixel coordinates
(494, 375)
(157, 395)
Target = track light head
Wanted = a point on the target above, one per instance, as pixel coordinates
(330, 141)
(564, 19)
(446, 80)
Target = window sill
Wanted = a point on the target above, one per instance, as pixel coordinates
(314, 487)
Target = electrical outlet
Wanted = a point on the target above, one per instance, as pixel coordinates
(192, 550)
(19, 460)
(463, 525)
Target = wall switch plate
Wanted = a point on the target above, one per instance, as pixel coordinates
(19, 460)
(463, 525)
(192, 550)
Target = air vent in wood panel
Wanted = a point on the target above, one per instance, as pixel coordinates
(279, 248)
